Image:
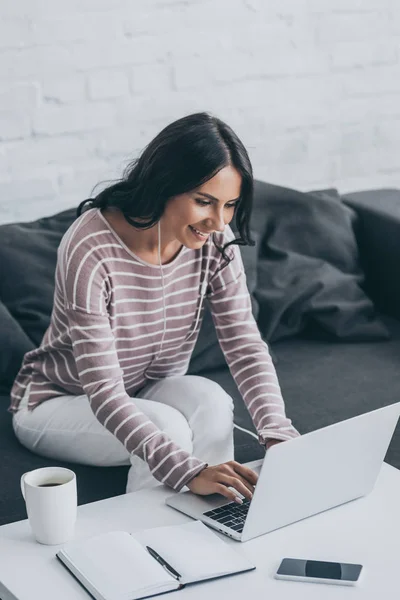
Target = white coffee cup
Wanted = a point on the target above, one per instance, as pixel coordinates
(51, 503)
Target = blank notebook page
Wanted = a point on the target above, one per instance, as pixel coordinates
(193, 550)
(116, 564)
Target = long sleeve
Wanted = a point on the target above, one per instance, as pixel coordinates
(101, 378)
(246, 353)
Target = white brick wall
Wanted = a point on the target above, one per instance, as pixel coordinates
(311, 86)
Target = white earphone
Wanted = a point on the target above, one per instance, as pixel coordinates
(203, 291)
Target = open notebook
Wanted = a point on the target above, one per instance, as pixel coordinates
(117, 565)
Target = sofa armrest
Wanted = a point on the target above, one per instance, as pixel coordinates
(378, 237)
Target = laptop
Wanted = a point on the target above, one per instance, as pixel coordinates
(302, 477)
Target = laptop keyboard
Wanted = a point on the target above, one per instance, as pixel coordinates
(232, 515)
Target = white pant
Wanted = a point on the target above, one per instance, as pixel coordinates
(195, 412)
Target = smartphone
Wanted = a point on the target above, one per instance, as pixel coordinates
(317, 571)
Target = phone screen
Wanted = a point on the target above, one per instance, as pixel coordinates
(297, 567)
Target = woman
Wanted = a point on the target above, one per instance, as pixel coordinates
(107, 386)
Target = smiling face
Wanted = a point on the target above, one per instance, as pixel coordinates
(191, 217)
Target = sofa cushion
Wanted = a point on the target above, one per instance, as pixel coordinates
(28, 256)
(309, 275)
(13, 344)
(378, 237)
(323, 383)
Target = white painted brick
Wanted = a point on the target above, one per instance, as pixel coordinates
(29, 8)
(258, 133)
(221, 16)
(303, 82)
(357, 138)
(360, 54)
(211, 19)
(27, 210)
(253, 130)
(298, 102)
(394, 16)
(93, 6)
(14, 125)
(353, 27)
(44, 172)
(151, 78)
(28, 63)
(192, 73)
(300, 30)
(98, 55)
(330, 6)
(19, 96)
(64, 90)
(152, 113)
(35, 153)
(26, 189)
(298, 175)
(290, 148)
(107, 84)
(258, 39)
(83, 181)
(69, 119)
(375, 108)
(147, 21)
(123, 142)
(288, 61)
(372, 81)
(244, 94)
(322, 141)
(78, 27)
(15, 33)
(388, 135)
(356, 165)
(54, 8)
(370, 181)
(4, 165)
(368, 161)
(277, 7)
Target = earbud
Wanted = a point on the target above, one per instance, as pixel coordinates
(203, 289)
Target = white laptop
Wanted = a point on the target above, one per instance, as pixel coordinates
(302, 477)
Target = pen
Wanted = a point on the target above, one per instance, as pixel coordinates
(163, 563)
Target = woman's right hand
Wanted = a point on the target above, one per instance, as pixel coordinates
(219, 479)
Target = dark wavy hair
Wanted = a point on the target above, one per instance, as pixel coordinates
(183, 156)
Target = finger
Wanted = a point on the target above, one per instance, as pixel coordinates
(244, 482)
(248, 474)
(236, 484)
(227, 470)
(230, 494)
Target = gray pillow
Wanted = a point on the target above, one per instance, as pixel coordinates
(309, 275)
(28, 257)
(14, 343)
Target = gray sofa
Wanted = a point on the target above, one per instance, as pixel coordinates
(326, 294)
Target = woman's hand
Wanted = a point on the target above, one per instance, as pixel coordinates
(219, 478)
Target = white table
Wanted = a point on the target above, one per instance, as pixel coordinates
(365, 531)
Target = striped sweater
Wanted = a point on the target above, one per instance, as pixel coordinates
(107, 338)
